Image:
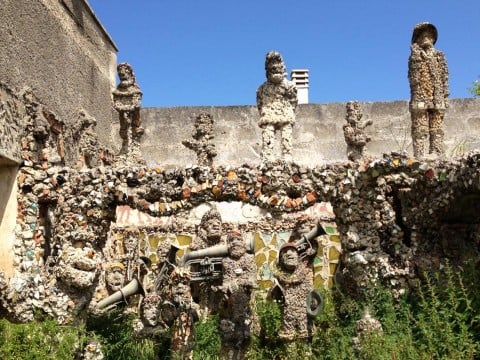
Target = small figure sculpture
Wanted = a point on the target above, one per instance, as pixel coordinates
(428, 76)
(88, 140)
(127, 100)
(78, 266)
(202, 136)
(179, 312)
(239, 278)
(276, 103)
(292, 277)
(366, 326)
(354, 131)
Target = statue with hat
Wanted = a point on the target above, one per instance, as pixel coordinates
(276, 103)
(428, 76)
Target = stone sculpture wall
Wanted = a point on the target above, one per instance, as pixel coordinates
(317, 135)
(88, 224)
(392, 216)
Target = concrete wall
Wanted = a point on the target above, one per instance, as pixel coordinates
(11, 113)
(318, 134)
(60, 50)
(8, 216)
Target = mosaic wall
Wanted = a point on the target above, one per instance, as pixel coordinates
(266, 246)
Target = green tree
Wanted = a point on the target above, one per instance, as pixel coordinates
(475, 89)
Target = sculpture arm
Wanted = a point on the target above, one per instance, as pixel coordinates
(260, 98)
(190, 144)
(291, 94)
(442, 62)
(414, 63)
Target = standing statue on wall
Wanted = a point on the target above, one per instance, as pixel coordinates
(428, 76)
(127, 99)
(239, 279)
(202, 137)
(276, 103)
(354, 131)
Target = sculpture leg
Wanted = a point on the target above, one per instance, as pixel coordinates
(290, 322)
(419, 133)
(124, 124)
(137, 128)
(436, 132)
(286, 143)
(268, 141)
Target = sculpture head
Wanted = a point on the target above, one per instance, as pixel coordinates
(236, 245)
(354, 112)
(149, 312)
(204, 124)
(288, 257)
(275, 67)
(424, 35)
(125, 73)
(115, 276)
(179, 283)
(211, 227)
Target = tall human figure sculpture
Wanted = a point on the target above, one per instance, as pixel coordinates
(428, 76)
(127, 98)
(209, 233)
(276, 103)
(239, 280)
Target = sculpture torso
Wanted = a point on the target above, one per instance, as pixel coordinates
(276, 103)
(428, 76)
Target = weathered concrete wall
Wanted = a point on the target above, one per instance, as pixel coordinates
(60, 50)
(8, 215)
(318, 134)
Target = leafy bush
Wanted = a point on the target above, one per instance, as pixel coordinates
(475, 89)
(445, 321)
(207, 339)
(39, 340)
(115, 333)
(268, 345)
(438, 319)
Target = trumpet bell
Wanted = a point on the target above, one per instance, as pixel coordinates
(132, 288)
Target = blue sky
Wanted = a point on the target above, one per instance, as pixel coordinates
(212, 52)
